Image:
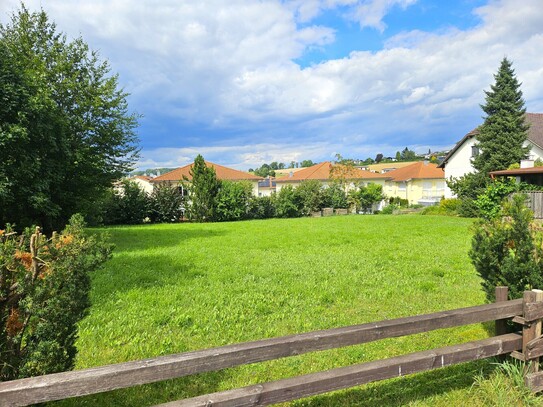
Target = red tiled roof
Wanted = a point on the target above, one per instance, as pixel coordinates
(223, 173)
(321, 172)
(418, 170)
(535, 134)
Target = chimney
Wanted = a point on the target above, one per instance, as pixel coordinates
(526, 163)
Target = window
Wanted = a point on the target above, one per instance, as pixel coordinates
(474, 151)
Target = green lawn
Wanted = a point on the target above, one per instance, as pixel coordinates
(175, 288)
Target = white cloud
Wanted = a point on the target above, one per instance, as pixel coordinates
(370, 13)
(231, 65)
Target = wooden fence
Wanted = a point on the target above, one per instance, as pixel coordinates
(535, 203)
(526, 346)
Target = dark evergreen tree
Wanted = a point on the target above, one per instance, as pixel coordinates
(504, 131)
(203, 189)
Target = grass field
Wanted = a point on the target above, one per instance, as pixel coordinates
(175, 288)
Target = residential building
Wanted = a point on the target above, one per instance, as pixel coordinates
(266, 187)
(144, 182)
(174, 177)
(458, 162)
(326, 172)
(420, 183)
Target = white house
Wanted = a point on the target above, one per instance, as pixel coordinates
(458, 162)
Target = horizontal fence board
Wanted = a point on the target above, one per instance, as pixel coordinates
(534, 349)
(533, 311)
(345, 377)
(534, 381)
(100, 379)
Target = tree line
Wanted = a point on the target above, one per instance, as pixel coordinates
(209, 199)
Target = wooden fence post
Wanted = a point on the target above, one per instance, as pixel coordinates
(532, 330)
(501, 324)
(532, 341)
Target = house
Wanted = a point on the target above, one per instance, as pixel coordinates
(325, 173)
(144, 182)
(266, 187)
(458, 161)
(420, 183)
(174, 177)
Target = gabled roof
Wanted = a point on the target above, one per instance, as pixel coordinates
(223, 173)
(321, 172)
(418, 170)
(535, 134)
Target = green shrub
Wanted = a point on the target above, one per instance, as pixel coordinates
(489, 202)
(450, 205)
(389, 209)
(507, 250)
(334, 196)
(261, 207)
(232, 201)
(433, 210)
(44, 293)
(311, 196)
(165, 204)
(288, 204)
(128, 204)
(399, 202)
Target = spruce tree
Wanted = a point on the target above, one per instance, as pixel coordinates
(502, 136)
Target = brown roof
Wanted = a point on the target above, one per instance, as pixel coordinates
(535, 134)
(518, 171)
(321, 172)
(223, 173)
(418, 170)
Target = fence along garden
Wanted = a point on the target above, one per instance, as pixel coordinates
(526, 346)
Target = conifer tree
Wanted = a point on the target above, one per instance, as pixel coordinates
(204, 187)
(502, 136)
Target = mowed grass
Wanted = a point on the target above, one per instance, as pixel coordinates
(182, 287)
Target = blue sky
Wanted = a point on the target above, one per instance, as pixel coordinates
(247, 82)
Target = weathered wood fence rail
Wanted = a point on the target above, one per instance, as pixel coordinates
(527, 346)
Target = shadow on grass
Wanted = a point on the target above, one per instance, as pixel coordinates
(134, 238)
(141, 272)
(402, 391)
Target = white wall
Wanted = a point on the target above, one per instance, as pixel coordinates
(460, 163)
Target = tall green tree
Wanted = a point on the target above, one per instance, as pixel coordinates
(65, 130)
(502, 136)
(203, 190)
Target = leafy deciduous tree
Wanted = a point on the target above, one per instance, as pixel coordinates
(65, 130)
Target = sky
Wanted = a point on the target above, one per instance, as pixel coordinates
(250, 82)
